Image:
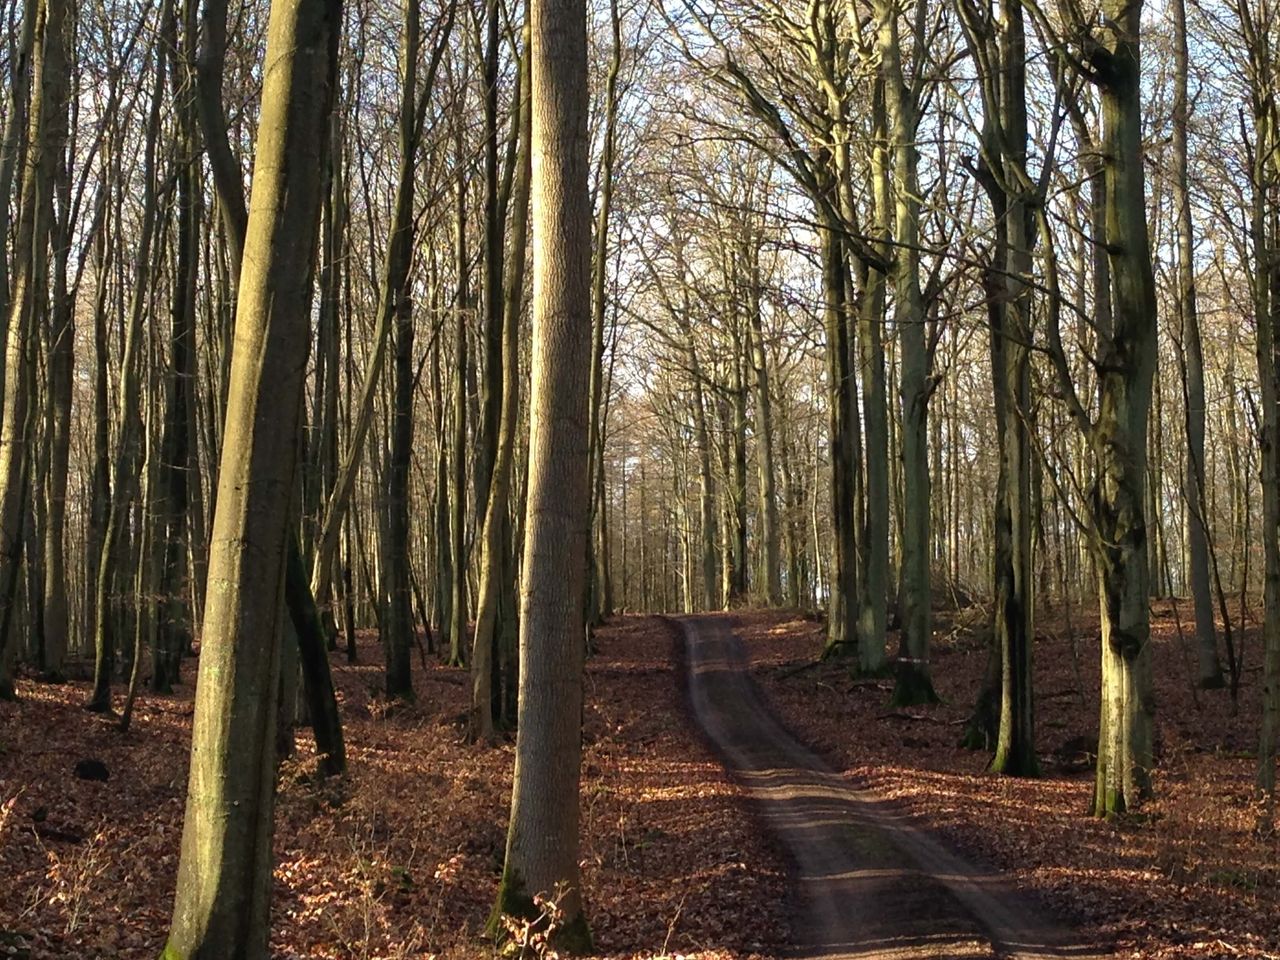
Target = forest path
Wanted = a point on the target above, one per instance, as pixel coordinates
(867, 882)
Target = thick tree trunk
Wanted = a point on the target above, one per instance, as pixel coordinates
(1126, 730)
(1000, 46)
(221, 907)
(542, 841)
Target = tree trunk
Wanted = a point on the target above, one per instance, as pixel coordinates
(46, 136)
(542, 841)
(458, 425)
(842, 584)
(486, 649)
(397, 600)
(913, 684)
(872, 619)
(221, 907)
(1193, 369)
(770, 536)
(127, 465)
(1125, 741)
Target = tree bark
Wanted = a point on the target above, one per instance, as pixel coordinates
(486, 708)
(542, 840)
(45, 140)
(221, 907)
(1193, 369)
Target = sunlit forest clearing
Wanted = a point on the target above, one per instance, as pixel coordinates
(719, 478)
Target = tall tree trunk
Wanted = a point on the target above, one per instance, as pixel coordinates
(842, 584)
(389, 294)
(598, 561)
(458, 425)
(872, 619)
(1126, 730)
(55, 619)
(127, 464)
(486, 652)
(1266, 271)
(46, 136)
(175, 476)
(1193, 368)
(397, 302)
(770, 535)
(11, 145)
(221, 908)
(913, 684)
(542, 840)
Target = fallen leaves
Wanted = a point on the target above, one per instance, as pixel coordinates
(400, 858)
(1190, 877)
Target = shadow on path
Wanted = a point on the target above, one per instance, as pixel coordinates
(870, 883)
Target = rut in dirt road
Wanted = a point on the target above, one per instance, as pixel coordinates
(869, 884)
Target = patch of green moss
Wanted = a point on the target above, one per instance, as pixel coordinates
(513, 900)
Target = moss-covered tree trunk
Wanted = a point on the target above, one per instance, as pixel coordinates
(1005, 705)
(221, 907)
(913, 683)
(1126, 369)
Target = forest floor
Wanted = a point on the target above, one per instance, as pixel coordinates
(867, 881)
(400, 858)
(1191, 876)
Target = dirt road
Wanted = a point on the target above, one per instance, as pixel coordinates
(869, 883)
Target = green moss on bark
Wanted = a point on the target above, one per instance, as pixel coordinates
(513, 900)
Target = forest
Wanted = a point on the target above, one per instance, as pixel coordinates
(639, 478)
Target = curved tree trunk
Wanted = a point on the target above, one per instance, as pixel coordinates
(221, 908)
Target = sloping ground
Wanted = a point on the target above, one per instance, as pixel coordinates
(400, 859)
(872, 885)
(1190, 877)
